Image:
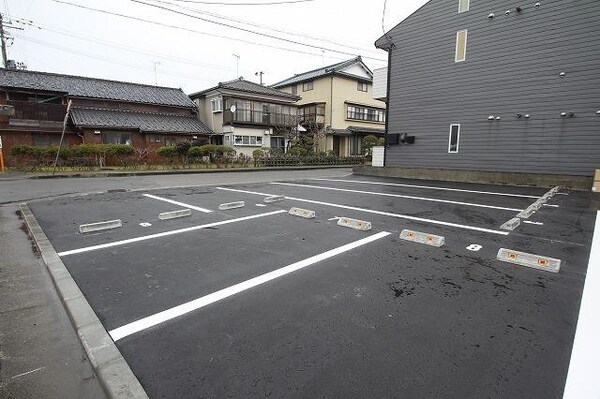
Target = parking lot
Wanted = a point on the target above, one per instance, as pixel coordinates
(253, 302)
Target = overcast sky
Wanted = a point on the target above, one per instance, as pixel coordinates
(192, 53)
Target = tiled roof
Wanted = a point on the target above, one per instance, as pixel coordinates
(316, 73)
(144, 121)
(77, 86)
(248, 87)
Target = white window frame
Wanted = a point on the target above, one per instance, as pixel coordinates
(216, 105)
(456, 59)
(466, 8)
(457, 139)
(308, 86)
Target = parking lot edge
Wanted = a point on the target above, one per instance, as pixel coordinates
(109, 365)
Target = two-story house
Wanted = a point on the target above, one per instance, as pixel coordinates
(337, 103)
(248, 116)
(496, 86)
(33, 106)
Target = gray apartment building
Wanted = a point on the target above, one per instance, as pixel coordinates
(495, 85)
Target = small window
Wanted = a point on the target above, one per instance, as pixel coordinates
(170, 141)
(45, 140)
(463, 5)
(155, 138)
(362, 86)
(294, 89)
(307, 86)
(116, 138)
(216, 105)
(454, 138)
(461, 46)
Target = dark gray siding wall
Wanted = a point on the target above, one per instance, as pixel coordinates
(512, 66)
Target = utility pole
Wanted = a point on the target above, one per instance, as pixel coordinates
(3, 41)
(261, 73)
(237, 65)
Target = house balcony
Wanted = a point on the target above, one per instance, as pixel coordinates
(38, 111)
(312, 120)
(259, 118)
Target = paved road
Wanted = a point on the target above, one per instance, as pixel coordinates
(31, 189)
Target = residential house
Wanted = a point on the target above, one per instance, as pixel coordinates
(337, 104)
(33, 106)
(496, 85)
(248, 116)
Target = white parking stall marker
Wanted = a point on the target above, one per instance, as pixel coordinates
(400, 196)
(582, 377)
(474, 247)
(260, 205)
(395, 215)
(551, 205)
(276, 198)
(100, 226)
(175, 214)
(354, 224)
(232, 205)
(428, 187)
(165, 234)
(422, 238)
(511, 224)
(170, 201)
(529, 260)
(303, 213)
(185, 308)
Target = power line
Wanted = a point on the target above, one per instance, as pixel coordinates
(107, 59)
(91, 39)
(249, 30)
(185, 29)
(269, 3)
(287, 32)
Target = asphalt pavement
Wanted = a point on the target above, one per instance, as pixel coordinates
(253, 302)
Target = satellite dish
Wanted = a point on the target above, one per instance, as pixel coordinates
(232, 108)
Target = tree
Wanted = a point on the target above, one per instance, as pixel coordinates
(368, 143)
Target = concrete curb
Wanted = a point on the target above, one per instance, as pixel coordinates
(113, 372)
(181, 172)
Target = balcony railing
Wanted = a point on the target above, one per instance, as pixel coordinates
(38, 111)
(312, 119)
(246, 116)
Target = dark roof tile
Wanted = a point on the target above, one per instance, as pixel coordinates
(249, 87)
(144, 121)
(76, 86)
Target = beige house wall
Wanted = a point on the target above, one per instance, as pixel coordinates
(336, 91)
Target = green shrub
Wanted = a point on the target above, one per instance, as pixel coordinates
(381, 141)
(169, 151)
(258, 153)
(211, 150)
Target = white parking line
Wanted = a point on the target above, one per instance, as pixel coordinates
(428, 187)
(535, 223)
(582, 377)
(165, 234)
(196, 208)
(180, 310)
(401, 196)
(396, 215)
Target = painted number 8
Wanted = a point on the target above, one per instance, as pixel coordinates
(474, 247)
